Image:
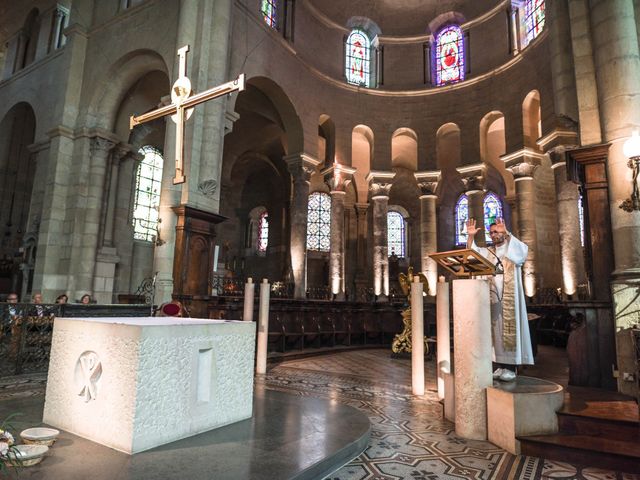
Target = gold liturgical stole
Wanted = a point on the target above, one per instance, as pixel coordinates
(509, 306)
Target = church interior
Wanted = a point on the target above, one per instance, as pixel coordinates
(329, 148)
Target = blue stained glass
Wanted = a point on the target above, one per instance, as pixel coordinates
(268, 11)
(449, 56)
(395, 234)
(462, 215)
(534, 16)
(358, 62)
(319, 222)
(492, 211)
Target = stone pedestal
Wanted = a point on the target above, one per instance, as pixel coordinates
(135, 383)
(472, 356)
(443, 335)
(525, 407)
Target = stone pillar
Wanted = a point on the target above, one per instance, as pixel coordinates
(563, 75)
(379, 186)
(443, 336)
(473, 178)
(428, 183)
(337, 178)
(300, 166)
(471, 356)
(567, 197)
(361, 246)
(585, 73)
(617, 66)
(525, 200)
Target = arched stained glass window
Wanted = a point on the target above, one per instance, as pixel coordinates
(492, 211)
(462, 215)
(449, 55)
(319, 222)
(263, 232)
(581, 219)
(268, 11)
(147, 200)
(358, 58)
(533, 18)
(396, 239)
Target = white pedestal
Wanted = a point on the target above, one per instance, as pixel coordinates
(471, 356)
(135, 383)
(527, 406)
(443, 324)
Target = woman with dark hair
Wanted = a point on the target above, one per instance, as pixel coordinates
(85, 299)
(61, 299)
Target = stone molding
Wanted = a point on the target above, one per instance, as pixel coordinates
(524, 155)
(558, 137)
(101, 144)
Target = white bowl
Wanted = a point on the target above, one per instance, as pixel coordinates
(40, 435)
(26, 455)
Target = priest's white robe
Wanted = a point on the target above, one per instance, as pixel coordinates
(519, 352)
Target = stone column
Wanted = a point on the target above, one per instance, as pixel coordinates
(379, 186)
(337, 177)
(567, 197)
(473, 178)
(300, 166)
(428, 183)
(361, 246)
(617, 66)
(82, 280)
(525, 200)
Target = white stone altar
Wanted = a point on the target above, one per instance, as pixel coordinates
(135, 383)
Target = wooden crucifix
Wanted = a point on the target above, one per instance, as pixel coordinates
(181, 107)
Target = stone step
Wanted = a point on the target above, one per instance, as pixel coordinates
(588, 450)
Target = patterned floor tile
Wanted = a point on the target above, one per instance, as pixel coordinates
(410, 439)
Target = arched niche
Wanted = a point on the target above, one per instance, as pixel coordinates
(493, 146)
(361, 158)
(404, 149)
(326, 140)
(31, 32)
(531, 119)
(448, 146)
(19, 213)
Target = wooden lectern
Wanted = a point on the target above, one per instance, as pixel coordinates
(465, 263)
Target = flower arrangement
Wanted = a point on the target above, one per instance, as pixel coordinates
(6, 446)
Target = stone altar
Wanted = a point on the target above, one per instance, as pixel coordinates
(135, 383)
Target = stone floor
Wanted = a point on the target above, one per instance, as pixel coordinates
(409, 437)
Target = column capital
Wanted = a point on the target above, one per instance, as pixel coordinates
(301, 166)
(380, 183)
(361, 208)
(473, 177)
(427, 182)
(101, 144)
(559, 154)
(524, 155)
(338, 177)
(561, 136)
(523, 171)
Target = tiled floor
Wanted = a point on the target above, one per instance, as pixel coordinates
(410, 439)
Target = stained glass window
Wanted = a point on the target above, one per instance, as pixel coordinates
(395, 234)
(263, 232)
(147, 201)
(581, 219)
(449, 55)
(462, 214)
(268, 11)
(358, 52)
(492, 211)
(533, 18)
(319, 222)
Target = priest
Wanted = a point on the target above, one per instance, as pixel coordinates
(509, 324)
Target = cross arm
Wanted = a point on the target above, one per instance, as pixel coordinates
(152, 115)
(237, 84)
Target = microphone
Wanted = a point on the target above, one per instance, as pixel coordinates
(499, 265)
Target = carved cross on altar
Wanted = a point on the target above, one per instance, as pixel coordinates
(181, 107)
